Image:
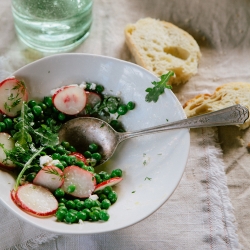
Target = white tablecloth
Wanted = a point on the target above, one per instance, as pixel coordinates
(199, 215)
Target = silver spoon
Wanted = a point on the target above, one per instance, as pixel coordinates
(82, 131)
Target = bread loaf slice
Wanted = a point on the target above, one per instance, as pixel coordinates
(160, 46)
(224, 96)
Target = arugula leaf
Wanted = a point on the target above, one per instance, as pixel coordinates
(158, 89)
(24, 126)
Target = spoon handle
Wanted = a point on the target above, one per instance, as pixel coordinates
(233, 115)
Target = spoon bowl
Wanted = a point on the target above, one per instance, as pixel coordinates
(81, 132)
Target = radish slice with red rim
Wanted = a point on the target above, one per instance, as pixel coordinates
(70, 100)
(111, 182)
(36, 200)
(12, 93)
(8, 144)
(50, 177)
(82, 180)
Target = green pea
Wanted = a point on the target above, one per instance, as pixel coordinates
(96, 203)
(122, 109)
(64, 163)
(70, 217)
(73, 211)
(80, 205)
(98, 178)
(55, 110)
(8, 123)
(59, 165)
(90, 169)
(61, 116)
(71, 188)
(107, 190)
(86, 211)
(43, 106)
(37, 110)
(96, 156)
(72, 149)
(81, 215)
(116, 173)
(32, 103)
(63, 200)
(102, 197)
(95, 208)
(59, 193)
(99, 88)
(93, 147)
(48, 101)
(88, 203)
(2, 126)
(103, 215)
(70, 204)
(60, 149)
(65, 144)
(112, 196)
(61, 205)
(87, 154)
(60, 214)
(105, 204)
(80, 164)
(94, 215)
(56, 156)
(104, 175)
(130, 105)
(70, 160)
(115, 124)
(30, 177)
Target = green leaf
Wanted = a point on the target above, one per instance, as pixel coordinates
(158, 89)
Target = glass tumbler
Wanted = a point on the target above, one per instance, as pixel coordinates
(52, 25)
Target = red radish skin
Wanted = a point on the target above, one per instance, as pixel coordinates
(83, 180)
(12, 93)
(111, 182)
(36, 200)
(70, 100)
(50, 177)
(8, 144)
(80, 157)
(13, 197)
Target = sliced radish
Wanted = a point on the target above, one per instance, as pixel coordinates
(80, 157)
(111, 182)
(36, 200)
(50, 177)
(8, 144)
(12, 93)
(92, 99)
(70, 100)
(83, 181)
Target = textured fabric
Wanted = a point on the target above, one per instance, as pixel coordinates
(199, 214)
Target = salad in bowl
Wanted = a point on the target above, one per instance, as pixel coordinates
(50, 183)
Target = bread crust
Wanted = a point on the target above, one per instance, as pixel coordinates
(224, 96)
(161, 46)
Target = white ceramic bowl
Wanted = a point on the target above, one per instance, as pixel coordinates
(153, 164)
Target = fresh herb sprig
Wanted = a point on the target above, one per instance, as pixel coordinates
(158, 89)
(26, 139)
